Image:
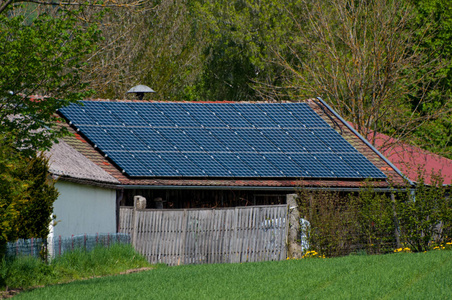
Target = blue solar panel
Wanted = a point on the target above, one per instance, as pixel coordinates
(337, 166)
(203, 115)
(101, 138)
(232, 140)
(126, 138)
(254, 115)
(362, 165)
(180, 139)
(286, 165)
(218, 140)
(305, 115)
(308, 140)
(311, 166)
(77, 115)
(155, 164)
(280, 116)
(183, 165)
(126, 115)
(282, 140)
(261, 165)
(102, 116)
(174, 112)
(208, 165)
(229, 115)
(257, 140)
(205, 139)
(129, 163)
(334, 140)
(153, 140)
(151, 114)
(234, 164)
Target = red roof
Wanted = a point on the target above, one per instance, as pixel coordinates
(411, 160)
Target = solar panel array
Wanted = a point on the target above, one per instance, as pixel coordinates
(154, 139)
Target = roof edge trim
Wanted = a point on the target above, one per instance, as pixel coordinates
(249, 188)
(364, 140)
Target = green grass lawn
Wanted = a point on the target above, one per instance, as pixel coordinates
(394, 276)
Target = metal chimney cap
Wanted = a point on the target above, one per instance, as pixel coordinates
(141, 89)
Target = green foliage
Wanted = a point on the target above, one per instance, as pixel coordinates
(375, 219)
(26, 272)
(13, 191)
(333, 227)
(436, 17)
(35, 217)
(241, 39)
(419, 218)
(41, 56)
(342, 223)
(27, 195)
(424, 215)
(41, 53)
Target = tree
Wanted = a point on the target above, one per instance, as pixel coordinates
(240, 39)
(157, 44)
(7, 4)
(366, 59)
(41, 55)
(436, 17)
(13, 192)
(27, 195)
(40, 195)
(42, 51)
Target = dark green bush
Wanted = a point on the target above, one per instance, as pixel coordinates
(424, 214)
(27, 195)
(418, 217)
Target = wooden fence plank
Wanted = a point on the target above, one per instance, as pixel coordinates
(190, 236)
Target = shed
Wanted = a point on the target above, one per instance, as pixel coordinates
(218, 154)
(87, 200)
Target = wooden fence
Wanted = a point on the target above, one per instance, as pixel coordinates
(197, 236)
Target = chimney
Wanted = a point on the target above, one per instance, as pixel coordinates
(139, 91)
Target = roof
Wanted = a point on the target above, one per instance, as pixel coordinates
(94, 153)
(67, 162)
(413, 161)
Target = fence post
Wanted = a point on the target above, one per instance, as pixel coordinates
(139, 202)
(293, 227)
(184, 235)
(233, 242)
(396, 223)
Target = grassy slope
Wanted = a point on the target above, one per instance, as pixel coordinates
(395, 276)
(24, 272)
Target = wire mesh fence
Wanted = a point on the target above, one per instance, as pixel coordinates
(28, 247)
(60, 245)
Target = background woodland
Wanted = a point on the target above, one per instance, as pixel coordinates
(384, 65)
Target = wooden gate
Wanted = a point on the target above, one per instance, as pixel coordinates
(197, 236)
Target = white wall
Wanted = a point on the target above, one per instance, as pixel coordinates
(83, 209)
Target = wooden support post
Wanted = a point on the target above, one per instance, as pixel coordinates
(294, 247)
(396, 223)
(139, 202)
